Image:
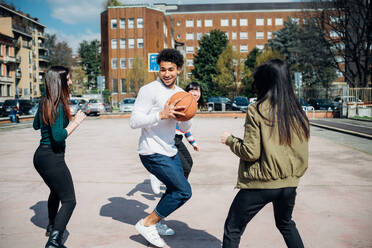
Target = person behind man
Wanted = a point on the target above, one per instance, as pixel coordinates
(273, 155)
(156, 117)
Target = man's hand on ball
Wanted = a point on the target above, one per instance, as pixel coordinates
(170, 110)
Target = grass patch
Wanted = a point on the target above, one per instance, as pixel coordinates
(362, 118)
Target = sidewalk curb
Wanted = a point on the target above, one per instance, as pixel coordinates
(366, 136)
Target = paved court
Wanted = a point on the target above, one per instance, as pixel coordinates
(333, 207)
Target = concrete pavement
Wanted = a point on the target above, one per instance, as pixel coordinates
(333, 207)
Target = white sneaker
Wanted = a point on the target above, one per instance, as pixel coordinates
(164, 230)
(150, 233)
(155, 184)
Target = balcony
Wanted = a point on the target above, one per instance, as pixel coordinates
(44, 58)
(43, 46)
(41, 35)
(18, 73)
(8, 59)
(22, 30)
(18, 59)
(6, 79)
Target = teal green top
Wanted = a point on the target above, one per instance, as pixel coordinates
(55, 134)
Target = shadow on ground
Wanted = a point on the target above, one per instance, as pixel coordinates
(41, 220)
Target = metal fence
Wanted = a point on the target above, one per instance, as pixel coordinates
(363, 94)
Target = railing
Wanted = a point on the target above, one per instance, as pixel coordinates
(44, 57)
(361, 94)
(21, 29)
(43, 46)
(6, 79)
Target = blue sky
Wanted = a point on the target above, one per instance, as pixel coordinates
(76, 20)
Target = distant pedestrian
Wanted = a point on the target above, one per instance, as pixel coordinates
(14, 115)
(273, 155)
(157, 119)
(53, 119)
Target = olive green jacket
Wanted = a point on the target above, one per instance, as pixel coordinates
(264, 163)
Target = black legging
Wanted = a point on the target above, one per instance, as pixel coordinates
(52, 168)
(184, 155)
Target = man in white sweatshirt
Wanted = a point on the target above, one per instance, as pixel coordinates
(157, 119)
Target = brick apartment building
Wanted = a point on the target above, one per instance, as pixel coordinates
(23, 54)
(138, 30)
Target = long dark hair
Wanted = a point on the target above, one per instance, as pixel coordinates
(56, 91)
(196, 86)
(272, 82)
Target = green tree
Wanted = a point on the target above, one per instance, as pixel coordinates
(111, 3)
(137, 76)
(80, 80)
(250, 62)
(205, 62)
(266, 55)
(247, 79)
(90, 55)
(59, 52)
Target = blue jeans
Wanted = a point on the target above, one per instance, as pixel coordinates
(169, 171)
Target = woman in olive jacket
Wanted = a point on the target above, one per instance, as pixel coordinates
(273, 155)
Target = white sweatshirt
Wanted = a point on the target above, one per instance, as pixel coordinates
(157, 136)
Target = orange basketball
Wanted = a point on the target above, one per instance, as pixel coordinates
(186, 100)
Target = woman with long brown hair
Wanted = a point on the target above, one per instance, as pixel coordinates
(53, 118)
(273, 155)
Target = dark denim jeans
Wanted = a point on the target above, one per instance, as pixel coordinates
(248, 202)
(169, 171)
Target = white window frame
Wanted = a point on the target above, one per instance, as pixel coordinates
(243, 35)
(243, 22)
(198, 23)
(189, 49)
(189, 62)
(189, 23)
(121, 85)
(278, 21)
(269, 35)
(260, 35)
(208, 23)
(139, 22)
(114, 43)
(234, 36)
(130, 63)
(114, 63)
(224, 22)
(260, 22)
(243, 49)
(123, 65)
(122, 43)
(122, 23)
(190, 36)
(131, 43)
(114, 22)
(131, 23)
(260, 47)
(233, 22)
(199, 36)
(139, 42)
(269, 22)
(227, 34)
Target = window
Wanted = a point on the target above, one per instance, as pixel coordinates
(243, 22)
(233, 22)
(122, 23)
(189, 75)
(260, 47)
(243, 35)
(123, 63)
(189, 62)
(114, 63)
(233, 35)
(243, 48)
(131, 86)
(198, 23)
(189, 23)
(189, 36)
(113, 24)
(130, 62)
(139, 22)
(227, 34)
(189, 49)
(114, 43)
(333, 34)
(199, 36)
(269, 35)
(278, 21)
(260, 35)
(269, 21)
(295, 20)
(339, 59)
(130, 43)
(208, 23)
(131, 23)
(178, 23)
(122, 43)
(260, 22)
(140, 42)
(122, 84)
(115, 85)
(178, 36)
(224, 22)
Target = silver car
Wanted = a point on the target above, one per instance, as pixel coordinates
(94, 107)
(74, 106)
(127, 104)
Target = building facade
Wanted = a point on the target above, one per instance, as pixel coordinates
(130, 31)
(25, 54)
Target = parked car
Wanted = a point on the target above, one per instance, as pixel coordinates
(219, 103)
(94, 107)
(322, 104)
(305, 105)
(240, 103)
(33, 110)
(127, 104)
(1, 108)
(24, 106)
(345, 100)
(252, 100)
(74, 106)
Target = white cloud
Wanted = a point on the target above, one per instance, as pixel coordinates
(76, 11)
(74, 40)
